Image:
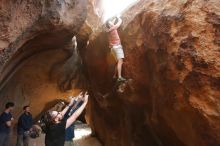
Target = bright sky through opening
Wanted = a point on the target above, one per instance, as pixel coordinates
(115, 7)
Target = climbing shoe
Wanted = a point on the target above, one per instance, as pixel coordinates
(121, 79)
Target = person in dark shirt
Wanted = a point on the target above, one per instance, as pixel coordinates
(55, 128)
(5, 124)
(69, 134)
(25, 122)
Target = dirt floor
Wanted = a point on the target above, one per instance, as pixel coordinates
(82, 137)
(88, 141)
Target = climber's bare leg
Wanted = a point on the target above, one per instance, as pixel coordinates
(119, 67)
(119, 55)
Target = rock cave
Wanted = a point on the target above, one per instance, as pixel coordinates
(172, 56)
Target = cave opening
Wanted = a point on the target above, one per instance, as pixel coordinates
(113, 8)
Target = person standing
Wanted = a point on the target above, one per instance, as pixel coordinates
(69, 133)
(55, 128)
(5, 124)
(25, 122)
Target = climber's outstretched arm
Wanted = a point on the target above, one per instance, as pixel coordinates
(117, 25)
(119, 22)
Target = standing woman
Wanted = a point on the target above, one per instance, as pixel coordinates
(55, 129)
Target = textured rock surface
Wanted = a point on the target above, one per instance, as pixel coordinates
(172, 50)
(173, 56)
(36, 50)
(24, 20)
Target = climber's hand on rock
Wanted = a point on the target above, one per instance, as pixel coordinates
(118, 17)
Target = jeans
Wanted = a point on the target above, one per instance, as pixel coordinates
(4, 139)
(22, 138)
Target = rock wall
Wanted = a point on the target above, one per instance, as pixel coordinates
(172, 53)
(172, 56)
(23, 21)
(38, 62)
(31, 84)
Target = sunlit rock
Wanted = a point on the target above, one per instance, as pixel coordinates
(172, 55)
(172, 59)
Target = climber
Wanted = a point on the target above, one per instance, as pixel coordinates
(55, 128)
(115, 45)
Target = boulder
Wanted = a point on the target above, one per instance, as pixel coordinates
(36, 47)
(172, 54)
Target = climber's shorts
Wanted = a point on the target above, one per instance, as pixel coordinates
(117, 52)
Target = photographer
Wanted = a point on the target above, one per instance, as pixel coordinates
(69, 134)
(55, 128)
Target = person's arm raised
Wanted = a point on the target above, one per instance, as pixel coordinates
(116, 26)
(119, 22)
(63, 112)
(77, 113)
